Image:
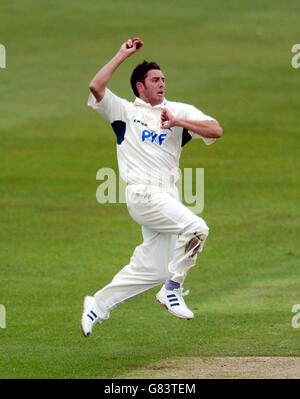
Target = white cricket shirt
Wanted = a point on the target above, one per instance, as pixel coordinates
(146, 153)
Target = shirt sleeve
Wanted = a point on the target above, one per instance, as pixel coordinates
(193, 113)
(111, 107)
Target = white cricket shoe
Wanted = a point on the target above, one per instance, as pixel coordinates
(174, 303)
(90, 316)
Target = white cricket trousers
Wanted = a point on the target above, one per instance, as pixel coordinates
(168, 227)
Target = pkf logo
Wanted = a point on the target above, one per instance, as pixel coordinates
(154, 137)
(2, 56)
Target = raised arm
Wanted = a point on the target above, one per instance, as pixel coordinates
(209, 129)
(100, 80)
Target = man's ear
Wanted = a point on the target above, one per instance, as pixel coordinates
(139, 86)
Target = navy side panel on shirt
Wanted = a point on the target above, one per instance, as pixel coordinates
(119, 129)
(186, 137)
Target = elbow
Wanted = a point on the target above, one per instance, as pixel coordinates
(218, 132)
(215, 133)
(92, 87)
(214, 130)
(98, 94)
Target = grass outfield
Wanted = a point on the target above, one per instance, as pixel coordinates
(231, 59)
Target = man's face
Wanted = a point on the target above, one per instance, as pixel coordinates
(153, 89)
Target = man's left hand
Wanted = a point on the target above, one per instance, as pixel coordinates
(168, 120)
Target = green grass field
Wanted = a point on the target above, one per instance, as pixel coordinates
(57, 243)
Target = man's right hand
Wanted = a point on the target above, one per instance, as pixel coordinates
(100, 80)
(131, 46)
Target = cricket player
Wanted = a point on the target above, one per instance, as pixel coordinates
(150, 133)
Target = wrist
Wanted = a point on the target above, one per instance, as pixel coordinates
(178, 122)
(120, 56)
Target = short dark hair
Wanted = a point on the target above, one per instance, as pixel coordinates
(139, 74)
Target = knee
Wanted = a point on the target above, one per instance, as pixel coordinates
(201, 228)
(196, 237)
(196, 228)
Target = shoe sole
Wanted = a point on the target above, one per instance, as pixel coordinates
(85, 299)
(166, 307)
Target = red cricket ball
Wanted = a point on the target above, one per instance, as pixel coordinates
(136, 39)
